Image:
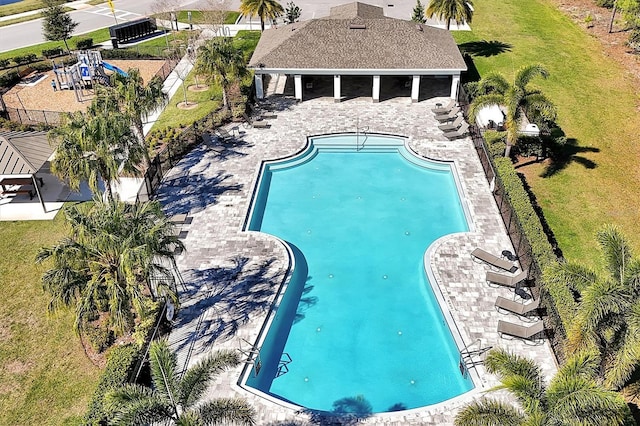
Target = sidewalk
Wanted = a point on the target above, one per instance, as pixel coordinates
(77, 5)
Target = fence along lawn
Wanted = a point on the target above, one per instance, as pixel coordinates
(597, 110)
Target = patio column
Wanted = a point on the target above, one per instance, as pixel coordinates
(415, 89)
(336, 88)
(297, 79)
(455, 82)
(376, 89)
(259, 86)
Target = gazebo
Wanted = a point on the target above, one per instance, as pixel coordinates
(22, 155)
(357, 39)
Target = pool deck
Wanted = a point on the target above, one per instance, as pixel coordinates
(232, 277)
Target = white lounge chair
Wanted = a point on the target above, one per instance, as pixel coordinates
(444, 109)
(452, 126)
(451, 115)
(533, 333)
(464, 128)
(504, 305)
(493, 260)
(505, 280)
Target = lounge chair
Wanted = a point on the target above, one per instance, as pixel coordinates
(256, 123)
(464, 128)
(493, 260)
(511, 306)
(512, 281)
(521, 332)
(178, 218)
(452, 126)
(224, 135)
(444, 109)
(451, 115)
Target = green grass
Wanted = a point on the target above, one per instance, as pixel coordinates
(22, 6)
(197, 17)
(207, 101)
(98, 36)
(45, 377)
(597, 108)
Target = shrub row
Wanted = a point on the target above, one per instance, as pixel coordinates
(25, 59)
(84, 43)
(52, 53)
(125, 54)
(9, 125)
(120, 363)
(542, 251)
(10, 78)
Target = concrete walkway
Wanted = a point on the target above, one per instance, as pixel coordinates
(232, 276)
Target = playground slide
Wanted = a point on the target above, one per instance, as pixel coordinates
(114, 68)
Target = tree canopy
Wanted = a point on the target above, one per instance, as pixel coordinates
(57, 25)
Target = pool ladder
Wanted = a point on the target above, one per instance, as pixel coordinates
(467, 355)
(360, 130)
(252, 355)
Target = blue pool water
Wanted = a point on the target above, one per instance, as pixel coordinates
(4, 2)
(359, 328)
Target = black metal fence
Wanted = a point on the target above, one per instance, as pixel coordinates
(556, 332)
(33, 116)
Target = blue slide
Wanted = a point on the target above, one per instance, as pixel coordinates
(110, 67)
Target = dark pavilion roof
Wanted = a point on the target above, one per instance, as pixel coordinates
(357, 36)
(23, 153)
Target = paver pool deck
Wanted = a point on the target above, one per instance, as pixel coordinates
(232, 277)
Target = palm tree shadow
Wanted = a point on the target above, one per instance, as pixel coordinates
(227, 298)
(563, 154)
(193, 192)
(485, 48)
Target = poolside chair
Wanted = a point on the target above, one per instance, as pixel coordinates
(464, 128)
(506, 306)
(449, 116)
(256, 123)
(493, 260)
(444, 109)
(178, 219)
(452, 126)
(505, 280)
(224, 135)
(527, 334)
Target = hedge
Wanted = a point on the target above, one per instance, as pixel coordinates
(84, 43)
(51, 53)
(125, 54)
(9, 79)
(120, 363)
(561, 296)
(25, 59)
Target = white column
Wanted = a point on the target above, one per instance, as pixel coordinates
(376, 88)
(259, 86)
(336, 88)
(415, 88)
(298, 86)
(455, 82)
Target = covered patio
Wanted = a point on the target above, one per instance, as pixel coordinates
(28, 189)
(359, 52)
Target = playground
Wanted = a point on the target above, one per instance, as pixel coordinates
(38, 93)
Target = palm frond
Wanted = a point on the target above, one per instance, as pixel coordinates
(196, 380)
(527, 73)
(223, 411)
(163, 370)
(615, 249)
(134, 405)
(487, 412)
(483, 101)
(574, 276)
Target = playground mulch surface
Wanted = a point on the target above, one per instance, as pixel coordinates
(42, 97)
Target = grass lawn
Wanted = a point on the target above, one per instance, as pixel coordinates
(98, 36)
(597, 106)
(22, 6)
(45, 377)
(197, 17)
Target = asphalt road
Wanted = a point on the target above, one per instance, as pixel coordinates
(95, 17)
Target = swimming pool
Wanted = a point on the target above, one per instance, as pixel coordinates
(358, 329)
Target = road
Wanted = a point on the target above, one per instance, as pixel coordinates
(91, 18)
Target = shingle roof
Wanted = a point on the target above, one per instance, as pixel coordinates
(357, 36)
(23, 152)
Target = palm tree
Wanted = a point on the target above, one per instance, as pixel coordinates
(518, 100)
(220, 59)
(109, 262)
(572, 398)
(177, 399)
(135, 99)
(98, 144)
(265, 9)
(607, 320)
(460, 11)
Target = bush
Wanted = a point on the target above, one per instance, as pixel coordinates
(9, 79)
(100, 338)
(125, 54)
(121, 361)
(84, 43)
(4, 63)
(25, 59)
(495, 143)
(51, 53)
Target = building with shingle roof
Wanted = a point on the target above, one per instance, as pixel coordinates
(358, 39)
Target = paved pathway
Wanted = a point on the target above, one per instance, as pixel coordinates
(232, 276)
